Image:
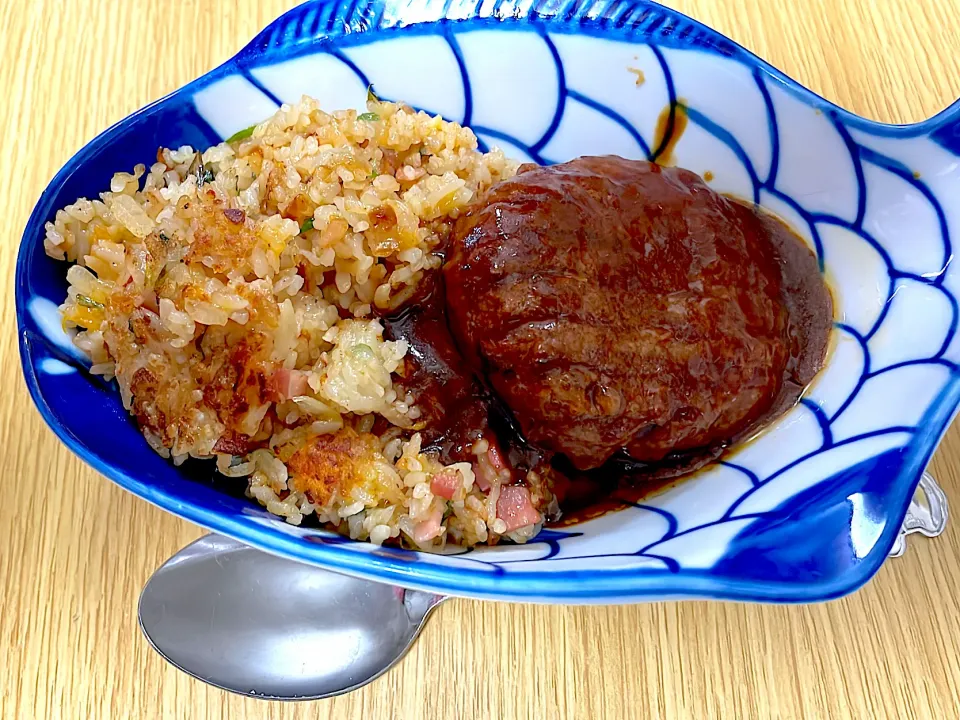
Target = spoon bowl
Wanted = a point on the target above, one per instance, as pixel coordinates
(255, 624)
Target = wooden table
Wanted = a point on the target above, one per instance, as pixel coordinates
(75, 550)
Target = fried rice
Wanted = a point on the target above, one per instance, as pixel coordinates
(233, 294)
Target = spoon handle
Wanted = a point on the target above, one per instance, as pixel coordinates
(417, 603)
(927, 514)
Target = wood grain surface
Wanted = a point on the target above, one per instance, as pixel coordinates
(75, 550)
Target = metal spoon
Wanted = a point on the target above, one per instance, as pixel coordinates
(256, 624)
(927, 514)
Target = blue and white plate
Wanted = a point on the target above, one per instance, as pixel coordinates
(807, 511)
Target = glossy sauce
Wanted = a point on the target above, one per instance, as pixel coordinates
(617, 325)
(671, 124)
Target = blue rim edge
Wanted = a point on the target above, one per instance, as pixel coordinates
(575, 22)
(610, 586)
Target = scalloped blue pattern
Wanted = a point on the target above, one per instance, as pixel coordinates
(806, 511)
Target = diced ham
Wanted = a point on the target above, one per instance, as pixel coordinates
(515, 508)
(445, 483)
(427, 530)
(495, 458)
(485, 475)
(284, 384)
(237, 217)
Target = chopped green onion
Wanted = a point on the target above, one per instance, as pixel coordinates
(205, 177)
(371, 95)
(373, 175)
(89, 302)
(307, 225)
(242, 134)
(372, 117)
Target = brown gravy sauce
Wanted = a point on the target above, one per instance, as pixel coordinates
(667, 135)
(458, 408)
(809, 303)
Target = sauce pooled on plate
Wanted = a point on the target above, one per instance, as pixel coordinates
(606, 321)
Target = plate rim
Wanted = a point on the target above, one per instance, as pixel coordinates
(604, 586)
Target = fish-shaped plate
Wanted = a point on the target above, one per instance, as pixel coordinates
(806, 511)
